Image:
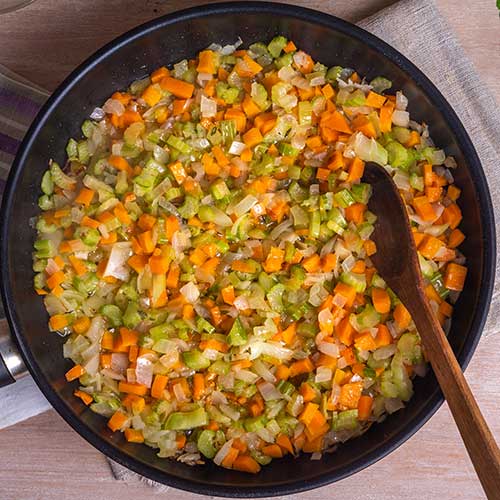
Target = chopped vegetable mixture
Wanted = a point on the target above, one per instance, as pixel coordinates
(206, 251)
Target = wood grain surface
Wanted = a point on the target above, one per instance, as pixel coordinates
(42, 458)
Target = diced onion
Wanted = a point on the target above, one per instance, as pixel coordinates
(119, 362)
(208, 107)
(230, 412)
(237, 148)
(401, 118)
(190, 292)
(222, 453)
(329, 349)
(117, 262)
(144, 371)
(269, 391)
(323, 374)
(246, 376)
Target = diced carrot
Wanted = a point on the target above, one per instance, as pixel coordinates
(117, 421)
(301, 366)
(178, 171)
(146, 241)
(289, 47)
(288, 335)
(252, 137)
(137, 389)
(134, 435)
(206, 62)
(347, 291)
(383, 337)
(282, 372)
(402, 316)
(452, 215)
(370, 247)
(454, 277)
(85, 197)
(365, 342)
(56, 279)
(424, 208)
(120, 163)
(312, 264)
(284, 442)
(159, 74)
(344, 331)
(329, 262)
(350, 395)
(179, 88)
(76, 372)
(445, 309)
(229, 459)
(317, 427)
(307, 392)
(386, 117)
(429, 246)
(137, 263)
(173, 276)
(158, 386)
(381, 300)
(129, 337)
(375, 100)
(133, 352)
(247, 67)
(245, 463)
(58, 321)
(158, 264)
(453, 192)
(238, 117)
(151, 94)
(78, 265)
(86, 398)
(107, 340)
(272, 450)
(81, 325)
(355, 213)
(433, 193)
(308, 413)
(456, 238)
(365, 404)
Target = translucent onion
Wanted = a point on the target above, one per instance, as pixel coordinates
(246, 376)
(401, 101)
(264, 371)
(218, 398)
(323, 374)
(401, 118)
(329, 349)
(144, 371)
(230, 412)
(98, 114)
(222, 453)
(113, 106)
(119, 362)
(190, 292)
(208, 107)
(269, 391)
(117, 262)
(237, 148)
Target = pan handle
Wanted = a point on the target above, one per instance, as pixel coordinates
(12, 365)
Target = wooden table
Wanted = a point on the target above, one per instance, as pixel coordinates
(43, 458)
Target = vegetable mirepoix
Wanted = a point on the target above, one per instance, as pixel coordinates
(206, 251)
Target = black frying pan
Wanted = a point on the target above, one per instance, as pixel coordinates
(165, 41)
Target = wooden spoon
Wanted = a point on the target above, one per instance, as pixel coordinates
(397, 262)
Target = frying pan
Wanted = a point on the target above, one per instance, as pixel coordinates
(165, 41)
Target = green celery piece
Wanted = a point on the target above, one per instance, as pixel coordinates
(237, 335)
(357, 281)
(59, 178)
(276, 45)
(255, 423)
(361, 192)
(43, 227)
(438, 284)
(380, 84)
(275, 297)
(179, 144)
(285, 387)
(203, 325)
(333, 73)
(410, 349)
(86, 284)
(220, 367)
(228, 131)
(88, 128)
(47, 183)
(417, 182)
(45, 249)
(259, 95)
(345, 420)
(181, 421)
(344, 198)
(219, 189)
(205, 443)
(131, 316)
(39, 280)
(356, 98)
(284, 60)
(113, 313)
(398, 155)
(189, 208)
(315, 224)
(45, 202)
(72, 149)
(195, 360)
(368, 317)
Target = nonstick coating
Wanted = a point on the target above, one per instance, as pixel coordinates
(163, 42)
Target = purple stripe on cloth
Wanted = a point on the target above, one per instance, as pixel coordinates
(8, 144)
(22, 103)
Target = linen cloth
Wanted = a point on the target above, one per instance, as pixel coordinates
(414, 27)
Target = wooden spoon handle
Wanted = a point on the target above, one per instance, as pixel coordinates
(477, 437)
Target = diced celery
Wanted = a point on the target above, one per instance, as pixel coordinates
(237, 335)
(345, 420)
(438, 283)
(86, 284)
(179, 144)
(44, 227)
(205, 443)
(305, 112)
(356, 98)
(333, 73)
(131, 316)
(88, 128)
(260, 96)
(208, 213)
(189, 208)
(219, 189)
(45, 249)
(179, 421)
(287, 149)
(59, 178)
(344, 198)
(284, 60)
(255, 423)
(380, 84)
(285, 387)
(410, 348)
(357, 281)
(368, 317)
(45, 202)
(204, 326)
(72, 149)
(417, 182)
(361, 192)
(315, 224)
(195, 360)
(113, 314)
(228, 131)
(220, 367)
(275, 297)
(276, 45)
(399, 156)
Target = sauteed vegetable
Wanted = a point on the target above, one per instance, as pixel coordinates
(206, 251)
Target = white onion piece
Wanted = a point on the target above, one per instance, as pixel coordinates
(401, 101)
(190, 292)
(111, 374)
(218, 398)
(114, 106)
(266, 435)
(119, 362)
(271, 349)
(98, 114)
(264, 372)
(222, 453)
(329, 349)
(269, 391)
(92, 365)
(323, 374)
(230, 412)
(144, 371)
(241, 303)
(208, 107)
(246, 376)
(237, 148)
(117, 262)
(246, 204)
(96, 329)
(179, 393)
(401, 118)
(393, 404)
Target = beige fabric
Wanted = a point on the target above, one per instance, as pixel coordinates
(417, 29)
